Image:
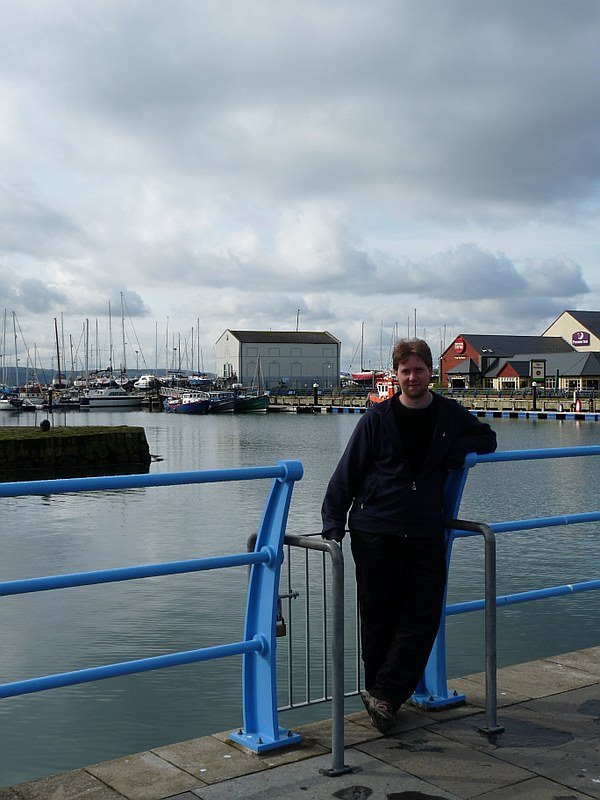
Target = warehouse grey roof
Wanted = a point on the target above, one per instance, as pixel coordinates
(285, 337)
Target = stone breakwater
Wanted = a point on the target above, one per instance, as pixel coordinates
(31, 452)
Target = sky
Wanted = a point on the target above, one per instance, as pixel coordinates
(370, 168)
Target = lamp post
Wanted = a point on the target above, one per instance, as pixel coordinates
(533, 396)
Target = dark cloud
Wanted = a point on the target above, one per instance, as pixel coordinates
(35, 296)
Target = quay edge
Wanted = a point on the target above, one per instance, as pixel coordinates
(30, 452)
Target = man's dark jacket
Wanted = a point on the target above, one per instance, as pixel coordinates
(374, 480)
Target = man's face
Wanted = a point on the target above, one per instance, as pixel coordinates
(414, 377)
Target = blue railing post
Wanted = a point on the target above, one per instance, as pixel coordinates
(432, 691)
(261, 729)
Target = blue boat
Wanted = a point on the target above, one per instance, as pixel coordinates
(188, 403)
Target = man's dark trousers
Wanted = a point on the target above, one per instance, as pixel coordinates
(401, 583)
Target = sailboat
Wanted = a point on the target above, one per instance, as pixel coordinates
(9, 397)
(254, 398)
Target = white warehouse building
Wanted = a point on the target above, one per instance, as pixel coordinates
(297, 359)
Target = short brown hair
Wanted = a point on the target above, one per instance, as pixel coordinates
(405, 348)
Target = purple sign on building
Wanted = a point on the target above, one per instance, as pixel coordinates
(580, 339)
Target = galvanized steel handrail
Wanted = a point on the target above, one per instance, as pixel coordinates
(432, 691)
(261, 730)
(434, 683)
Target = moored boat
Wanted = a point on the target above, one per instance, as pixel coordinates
(385, 387)
(221, 402)
(251, 402)
(111, 397)
(146, 382)
(10, 401)
(188, 403)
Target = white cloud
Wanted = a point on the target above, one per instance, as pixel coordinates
(236, 162)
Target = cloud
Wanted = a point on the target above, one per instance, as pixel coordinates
(237, 162)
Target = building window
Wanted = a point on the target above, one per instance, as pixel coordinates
(274, 351)
(251, 351)
(296, 352)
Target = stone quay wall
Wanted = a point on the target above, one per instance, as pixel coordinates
(31, 450)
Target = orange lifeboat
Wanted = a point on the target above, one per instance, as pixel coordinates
(386, 387)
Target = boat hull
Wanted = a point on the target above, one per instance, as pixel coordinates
(115, 402)
(222, 405)
(251, 403)
(187, 407)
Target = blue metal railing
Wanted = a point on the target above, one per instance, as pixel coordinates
(433, 691)
(261, 730)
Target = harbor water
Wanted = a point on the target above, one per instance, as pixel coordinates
(43, 633)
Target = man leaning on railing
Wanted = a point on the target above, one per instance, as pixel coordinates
(391, 478)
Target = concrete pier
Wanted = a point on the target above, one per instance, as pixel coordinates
(550, 750)
(49, 451)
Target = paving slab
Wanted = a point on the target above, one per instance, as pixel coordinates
(534, 789)
(446, 764)
(575, 765)
(65, 786)
(527, 731)
(411, 718)
(475, 692)
(374, 779)
(587, 660)
(144, 776)
(307, 748)
(578, 710)
(354, 731)
(210, 759)
(184, 796)
(541, 678)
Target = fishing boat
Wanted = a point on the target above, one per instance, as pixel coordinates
(250, 400)
(188, 403)
(111, 397)
(385, 387)
(221, 402)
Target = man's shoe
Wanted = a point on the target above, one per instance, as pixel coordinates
(381, 712)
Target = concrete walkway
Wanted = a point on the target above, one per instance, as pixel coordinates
(550, 750)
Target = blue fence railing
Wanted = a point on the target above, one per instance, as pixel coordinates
(433, 691)
(261, 730)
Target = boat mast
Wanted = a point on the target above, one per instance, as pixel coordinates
(110, 340)
(16, 352)
(87, 351)
(362, 346)
(57, 352)
(167, 348)
(124, 365)
(4, 375)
